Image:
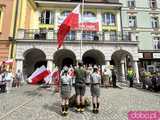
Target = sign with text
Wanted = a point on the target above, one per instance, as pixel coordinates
(156, 55)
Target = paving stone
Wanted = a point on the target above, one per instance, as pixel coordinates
(34, 103)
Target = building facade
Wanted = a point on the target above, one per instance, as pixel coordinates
(142, 17)
(6, 27)
(101, 42)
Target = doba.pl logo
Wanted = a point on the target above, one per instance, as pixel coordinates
(144, 115)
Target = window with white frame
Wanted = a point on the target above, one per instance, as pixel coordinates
(47, 17)
(153, 4)
(156, 43)
(131, 3)
(132, 21)
(155, 22)
(109, 19)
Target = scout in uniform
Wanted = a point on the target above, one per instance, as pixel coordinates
(80, 87)
(65, 91)
(95, 89)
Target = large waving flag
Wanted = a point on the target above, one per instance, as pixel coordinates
(71, 21)
(38, 75)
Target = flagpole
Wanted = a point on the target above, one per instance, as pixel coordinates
(81, 29)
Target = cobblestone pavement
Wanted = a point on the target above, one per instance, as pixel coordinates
(34, 103)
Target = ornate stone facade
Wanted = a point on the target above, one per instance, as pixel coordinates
(110, 51)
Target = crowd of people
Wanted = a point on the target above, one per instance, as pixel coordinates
(81, 76)
(150, 80)
(8, 79)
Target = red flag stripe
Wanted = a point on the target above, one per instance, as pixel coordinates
(40, 77)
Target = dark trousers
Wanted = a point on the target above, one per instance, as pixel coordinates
(131, 83)
(114, 82)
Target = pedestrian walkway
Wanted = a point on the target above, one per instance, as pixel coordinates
(34, 103)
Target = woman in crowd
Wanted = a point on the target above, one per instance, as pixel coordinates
(9, 79)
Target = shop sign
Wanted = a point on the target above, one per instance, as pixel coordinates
(156, 55)
(140, 55)
(147, 55)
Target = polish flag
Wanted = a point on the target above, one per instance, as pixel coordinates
(38, 75)
(71, 21)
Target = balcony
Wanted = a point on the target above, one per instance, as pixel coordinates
(76, 36)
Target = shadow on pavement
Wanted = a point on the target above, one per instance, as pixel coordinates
(55, 107)
(35, 92)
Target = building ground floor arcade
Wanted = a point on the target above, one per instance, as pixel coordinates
(30, 55)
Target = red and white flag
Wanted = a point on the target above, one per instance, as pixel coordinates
(38, 75)
(71, 21)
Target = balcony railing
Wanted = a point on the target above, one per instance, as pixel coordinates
(36, 34)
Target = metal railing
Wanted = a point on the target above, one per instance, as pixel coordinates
(38, 34)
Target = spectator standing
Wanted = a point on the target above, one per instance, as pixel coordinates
(9, 79)
(130, 76)
(143, 78)
(19, 78)
(114, 78)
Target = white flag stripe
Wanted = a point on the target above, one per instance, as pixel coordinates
(37, 72)
(76, 10)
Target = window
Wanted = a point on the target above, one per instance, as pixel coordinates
(47, 17)
(131, 3)
(132, 21)
(155, 22)
(153, 4)
(156, 43)
(109, 19)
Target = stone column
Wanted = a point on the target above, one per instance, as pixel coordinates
(19, 65)
(136, 71)
(123, 71)
(50, 65)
